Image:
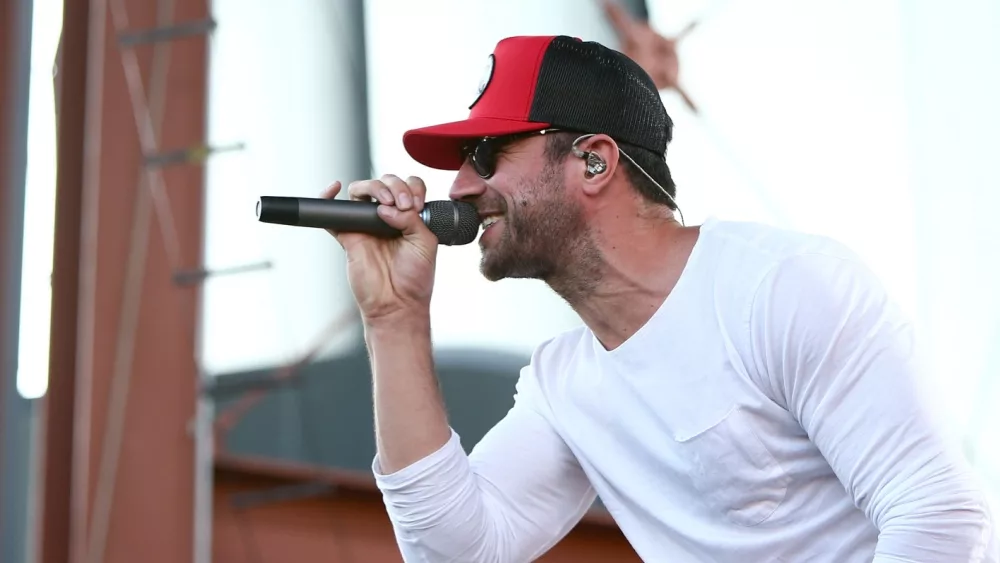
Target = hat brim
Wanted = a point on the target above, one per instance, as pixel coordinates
(440, 146)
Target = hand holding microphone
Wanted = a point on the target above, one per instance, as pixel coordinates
(391, 242)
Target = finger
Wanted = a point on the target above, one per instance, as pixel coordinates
(621, 20)
(350, 242)
(401, 193)
(419, 190)
(408, 221)
(331, 191)
(368, 190)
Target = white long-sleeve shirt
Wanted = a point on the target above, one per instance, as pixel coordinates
(770, 411)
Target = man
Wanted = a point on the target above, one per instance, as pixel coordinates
(738, 393)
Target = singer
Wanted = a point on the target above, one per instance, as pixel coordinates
(738, 393)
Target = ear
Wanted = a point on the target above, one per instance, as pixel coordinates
(596, 161)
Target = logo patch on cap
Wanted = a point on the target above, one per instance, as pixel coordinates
(484, 81)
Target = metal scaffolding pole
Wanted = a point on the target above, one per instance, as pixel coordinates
(15, 411)
(123, 376)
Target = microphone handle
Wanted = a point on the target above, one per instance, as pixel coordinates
(347, 216)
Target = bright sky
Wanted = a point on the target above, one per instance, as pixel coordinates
(39, 212)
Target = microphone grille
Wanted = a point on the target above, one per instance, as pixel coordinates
(453, 222)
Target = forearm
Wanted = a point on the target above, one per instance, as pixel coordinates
(510, 500)
(439, 512)
(947, 520)
(410, 419)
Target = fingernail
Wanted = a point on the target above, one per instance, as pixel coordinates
(386, 211)
(385, 195)
(418, 202)
(404, 201)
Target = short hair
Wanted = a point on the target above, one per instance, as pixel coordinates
(560, 144)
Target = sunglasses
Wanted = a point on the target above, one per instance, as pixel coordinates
(484, 152)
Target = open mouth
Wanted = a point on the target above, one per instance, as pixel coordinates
(490, 220)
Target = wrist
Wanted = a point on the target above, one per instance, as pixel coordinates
(402, 320)
(398, 338)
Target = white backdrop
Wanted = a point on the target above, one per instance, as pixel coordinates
(282, 80)
(952, 69)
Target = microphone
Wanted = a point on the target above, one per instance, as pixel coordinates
(453, 222)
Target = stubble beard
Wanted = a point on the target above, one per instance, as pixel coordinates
(545, 237)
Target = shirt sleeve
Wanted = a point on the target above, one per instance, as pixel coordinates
(841, 356)
(519, 492)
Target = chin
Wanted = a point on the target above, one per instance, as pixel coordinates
(499, 267)
(490, 269)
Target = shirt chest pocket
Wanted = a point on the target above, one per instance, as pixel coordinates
(732, 470)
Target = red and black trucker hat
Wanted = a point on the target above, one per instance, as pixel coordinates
(537, 82)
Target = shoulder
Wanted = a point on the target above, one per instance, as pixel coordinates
(736, 264)
(760, 247)
(813, 297)
(552, 358)
(746, 259)
(824, 294)
(799, 298)
(554, 353)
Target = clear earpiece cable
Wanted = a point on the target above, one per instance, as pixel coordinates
(655, 183)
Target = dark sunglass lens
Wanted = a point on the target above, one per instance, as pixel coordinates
(484, 158)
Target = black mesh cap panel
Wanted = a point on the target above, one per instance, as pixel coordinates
(587, 87)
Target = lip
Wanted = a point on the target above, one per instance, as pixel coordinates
(489, 232)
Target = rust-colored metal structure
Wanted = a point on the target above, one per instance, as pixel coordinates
(345, 524)
(118, 477)
(118, 471)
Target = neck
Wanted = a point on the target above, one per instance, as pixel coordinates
(621, 277)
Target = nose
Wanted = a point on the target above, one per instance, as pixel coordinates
(467, 185)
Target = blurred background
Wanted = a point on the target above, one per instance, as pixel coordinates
(182, 383)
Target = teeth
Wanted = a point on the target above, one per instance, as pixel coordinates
(489, 221)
